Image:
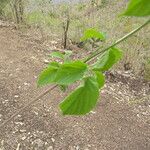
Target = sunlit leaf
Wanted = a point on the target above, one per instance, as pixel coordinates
(48, 75)
(57, 55)
(108, 59)
(82, 100)
(138, 8)
(70, 72)
(100, 78)
(93, 33)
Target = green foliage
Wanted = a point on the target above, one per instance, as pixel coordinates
(43, 19)
(138, 8)
(108, 59)
(62, 74)
(93, 33)
(3, 3)
(83, 99)
(65, 56)
(100, 78)
(48, 75)
(81, 6)
(57, 55)
(70, 72)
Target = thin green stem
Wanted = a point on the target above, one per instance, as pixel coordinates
(99, 51)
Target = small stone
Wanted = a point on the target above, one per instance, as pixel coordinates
(10, 75)
(23, 138)
(53, 140)
(46, 61)
(33, 57)
(18, 146)
(17, 69)
(16, 96)
(50, 148)
(36, 113)
(35, 77)
(89, 145)
(19, 123)
(54, 42)
(144, 113)
(19, 115)
(22, 131)
(77, 147)
(26, 84)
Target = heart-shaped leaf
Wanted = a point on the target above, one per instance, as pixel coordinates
(70, 72)
(108, 59)
(48, 75)
(138, 8)
(83, 99)
(100, 78)
(57, 55)
(93, 33)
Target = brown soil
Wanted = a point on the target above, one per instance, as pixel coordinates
(120, 121)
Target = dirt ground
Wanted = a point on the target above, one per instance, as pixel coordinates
(120, 121)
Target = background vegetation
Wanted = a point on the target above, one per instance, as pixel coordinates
(52, 17)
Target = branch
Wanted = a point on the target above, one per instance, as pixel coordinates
(99, 51)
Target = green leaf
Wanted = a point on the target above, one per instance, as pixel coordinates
(70, 72)
(108, 59)
(57, 55)
(100, 78)
(138, 8)
(48, 75)
(93, 33)
(82, 100)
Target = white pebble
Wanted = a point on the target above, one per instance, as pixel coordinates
(53, 140)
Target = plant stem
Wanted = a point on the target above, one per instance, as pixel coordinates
(98, 51)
